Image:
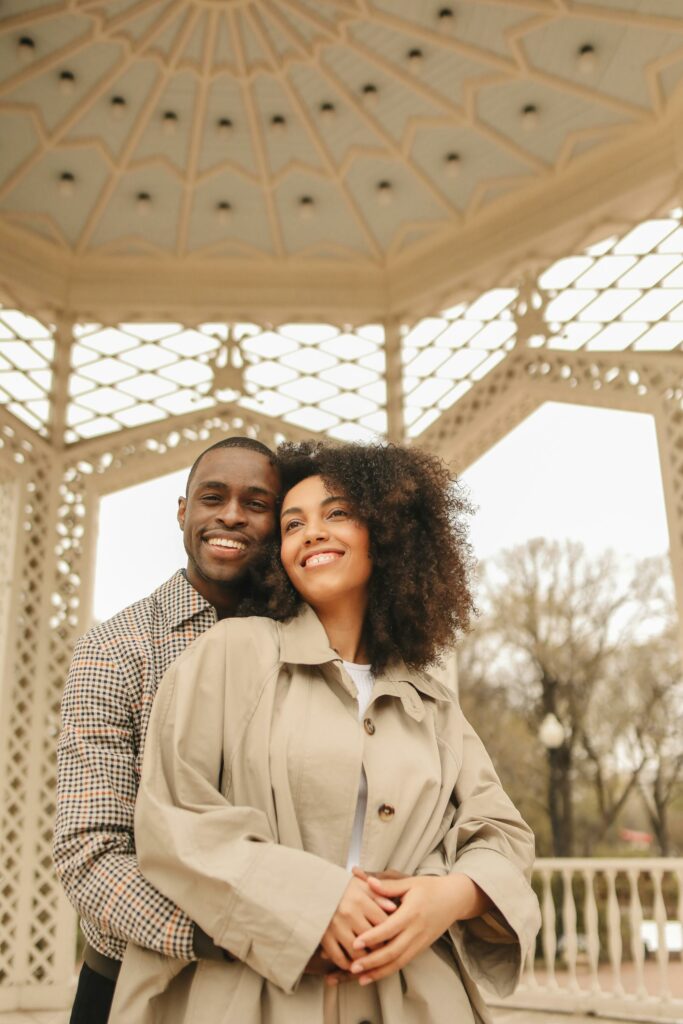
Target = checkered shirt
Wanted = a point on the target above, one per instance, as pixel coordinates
(116, 669)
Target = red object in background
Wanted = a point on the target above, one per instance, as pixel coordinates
(630, 835)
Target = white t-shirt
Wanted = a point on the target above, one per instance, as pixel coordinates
(365, 681)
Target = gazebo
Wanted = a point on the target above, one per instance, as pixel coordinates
(361, 218)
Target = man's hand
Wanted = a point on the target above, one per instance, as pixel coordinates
(428, 907)
(360, 909)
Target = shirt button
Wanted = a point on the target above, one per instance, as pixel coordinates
(386, 811)
(369, 726)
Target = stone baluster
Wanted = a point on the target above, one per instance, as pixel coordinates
(635, 917)
(660, 919)
(549, 936)
(590, 913)
(569, 921)
(614, 945)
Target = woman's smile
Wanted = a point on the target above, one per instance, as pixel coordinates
(315, 559)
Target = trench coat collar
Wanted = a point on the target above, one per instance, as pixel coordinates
(303, 641)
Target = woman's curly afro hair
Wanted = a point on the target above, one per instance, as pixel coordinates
(420, 589)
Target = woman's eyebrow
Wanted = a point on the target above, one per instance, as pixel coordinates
(323, 504)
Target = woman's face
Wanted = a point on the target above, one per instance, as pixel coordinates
(325, 550)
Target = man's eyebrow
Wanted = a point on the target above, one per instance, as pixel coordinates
(220, 485)
(323, 504)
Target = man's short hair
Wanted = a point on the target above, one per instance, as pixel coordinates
(250, 443)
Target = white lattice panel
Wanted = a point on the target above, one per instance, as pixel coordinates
(316, 376)
(33, 906)
(27, 351)
(623, 293)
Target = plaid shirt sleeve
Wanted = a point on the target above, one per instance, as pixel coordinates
(94, 850)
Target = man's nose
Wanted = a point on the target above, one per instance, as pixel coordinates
(231, 514)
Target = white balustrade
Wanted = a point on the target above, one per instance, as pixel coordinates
(611, 938)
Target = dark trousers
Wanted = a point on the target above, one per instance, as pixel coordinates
(93, 998)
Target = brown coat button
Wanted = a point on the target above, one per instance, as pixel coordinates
(369, 726)
(386, 812)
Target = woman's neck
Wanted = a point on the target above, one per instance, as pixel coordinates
(343, 623)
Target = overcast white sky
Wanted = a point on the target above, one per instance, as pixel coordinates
(567, 471)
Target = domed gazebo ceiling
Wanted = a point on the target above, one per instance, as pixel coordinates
(180, 150)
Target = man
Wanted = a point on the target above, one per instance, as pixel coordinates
(227, 516)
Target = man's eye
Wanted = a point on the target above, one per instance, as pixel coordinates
(211, 498)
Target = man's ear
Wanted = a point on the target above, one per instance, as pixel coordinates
(182, 505)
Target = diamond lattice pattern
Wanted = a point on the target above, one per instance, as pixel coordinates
(624, 292)
(26, 354)
(312, 375)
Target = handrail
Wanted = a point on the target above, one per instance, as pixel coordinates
(595, 947)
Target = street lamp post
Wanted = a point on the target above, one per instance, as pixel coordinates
(553, 736)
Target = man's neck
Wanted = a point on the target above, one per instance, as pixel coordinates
(224, 598)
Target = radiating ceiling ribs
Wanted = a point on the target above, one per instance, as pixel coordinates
(42, 64)
(629, 19)
(321, 24)
(412, 30)
(129, 14)
(197, 131)
(410, 82)
(22, 21)
(136, 132)
(256, 134)
(253, 16)
(89, 99)
(394, 149)
(332, 170)
(300, 44)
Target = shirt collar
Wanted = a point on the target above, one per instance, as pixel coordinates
(303, 641)
(179, 601)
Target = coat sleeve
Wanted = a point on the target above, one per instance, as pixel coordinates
(267, 904)
(491, 843)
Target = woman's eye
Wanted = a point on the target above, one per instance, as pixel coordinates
(338, 512)
(290, 524)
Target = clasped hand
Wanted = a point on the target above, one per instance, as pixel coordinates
(381, 923)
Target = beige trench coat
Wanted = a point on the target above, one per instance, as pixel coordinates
(244, 816)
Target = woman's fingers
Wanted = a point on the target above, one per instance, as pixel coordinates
(383, 932)
(392, 888)
(334, 951)
(383, 956)
(346, 936)
(387, 905)
(374, 914)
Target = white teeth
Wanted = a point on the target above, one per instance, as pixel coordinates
(223, 542)
(322, 558)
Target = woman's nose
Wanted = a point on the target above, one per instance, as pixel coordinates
(315, 531)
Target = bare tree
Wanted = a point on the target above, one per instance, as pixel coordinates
(656, 727)
(556, 623)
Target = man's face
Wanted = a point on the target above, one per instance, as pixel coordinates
(227, 516)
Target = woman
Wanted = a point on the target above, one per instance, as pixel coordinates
(290, 763)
